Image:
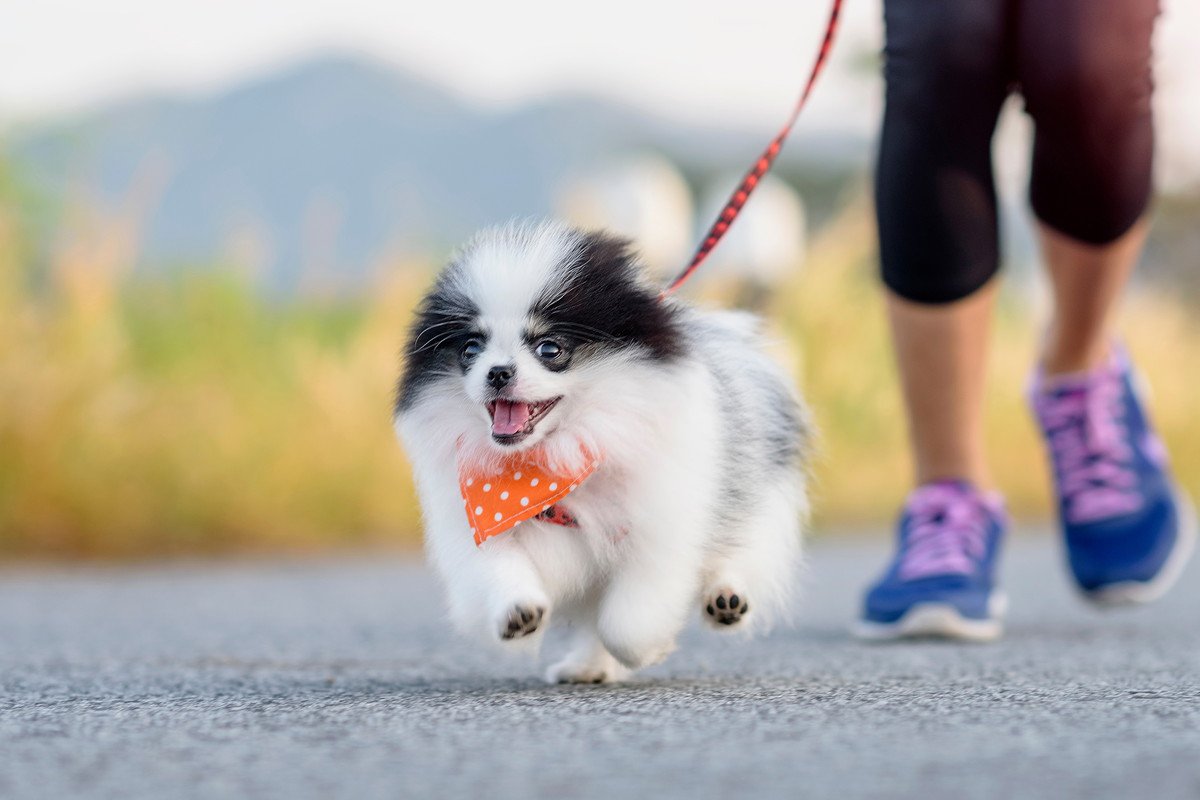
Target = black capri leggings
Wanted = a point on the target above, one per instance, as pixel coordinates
(1083, 67)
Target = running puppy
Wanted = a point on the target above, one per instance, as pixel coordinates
(587, 452)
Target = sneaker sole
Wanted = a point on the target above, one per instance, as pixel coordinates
(938, 621)
(1136, 593)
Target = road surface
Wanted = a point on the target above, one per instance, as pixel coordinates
(337, 679)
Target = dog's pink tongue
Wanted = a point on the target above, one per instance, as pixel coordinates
(509, 418)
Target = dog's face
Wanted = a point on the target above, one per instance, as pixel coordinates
(522, 329)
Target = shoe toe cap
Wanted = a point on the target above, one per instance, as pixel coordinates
(890, 600)
(1133, 547)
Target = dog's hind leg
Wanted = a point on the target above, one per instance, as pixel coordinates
(751, 581)
(587, 661)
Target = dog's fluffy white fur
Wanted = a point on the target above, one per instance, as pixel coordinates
(700, 495)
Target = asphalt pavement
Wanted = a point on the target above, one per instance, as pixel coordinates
(337, 678)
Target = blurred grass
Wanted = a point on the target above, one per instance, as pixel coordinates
(154, 416)
(193, 415)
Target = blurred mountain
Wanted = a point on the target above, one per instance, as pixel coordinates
(336, 162)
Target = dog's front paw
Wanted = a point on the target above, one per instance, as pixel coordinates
(724, 606)
(521, 620)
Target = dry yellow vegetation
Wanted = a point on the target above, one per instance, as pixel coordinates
(144, 417)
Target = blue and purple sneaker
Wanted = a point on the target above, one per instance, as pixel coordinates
(1129, 531)
(942, 581)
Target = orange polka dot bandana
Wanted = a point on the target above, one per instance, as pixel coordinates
(499, 499)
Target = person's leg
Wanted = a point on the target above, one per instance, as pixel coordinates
(1085, 69)
(947, 74)
(1087, 280)
(947, 71)
(941, 353)
(1085, 72)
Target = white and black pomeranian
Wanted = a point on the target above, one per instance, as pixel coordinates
(545, 351)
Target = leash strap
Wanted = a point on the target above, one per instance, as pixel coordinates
(737, 200)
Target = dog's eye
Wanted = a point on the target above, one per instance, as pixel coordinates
(470, 350)
(548, 350)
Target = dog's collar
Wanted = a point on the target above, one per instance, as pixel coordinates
(520, 488)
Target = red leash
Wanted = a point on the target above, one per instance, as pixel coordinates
(737, 200)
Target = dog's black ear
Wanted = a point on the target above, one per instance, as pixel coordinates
(444, 319)
(603, 251)
(605, 298)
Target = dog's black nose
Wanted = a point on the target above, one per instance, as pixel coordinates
(499, 377)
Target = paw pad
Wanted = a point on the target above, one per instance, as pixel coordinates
(726, 607)
(521, 620)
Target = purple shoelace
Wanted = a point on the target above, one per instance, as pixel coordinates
(1083, 419)
(947, 534)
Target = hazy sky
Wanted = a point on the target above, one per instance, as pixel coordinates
(703, 59)
(663, 52)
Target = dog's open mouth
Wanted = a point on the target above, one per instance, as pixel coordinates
(513, 420)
